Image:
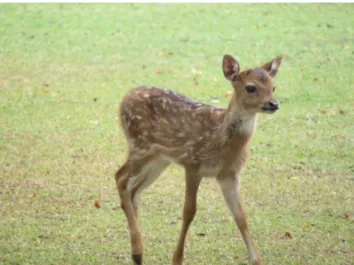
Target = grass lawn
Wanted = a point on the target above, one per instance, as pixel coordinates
(65, 67)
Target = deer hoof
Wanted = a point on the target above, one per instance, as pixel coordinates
(137, 259)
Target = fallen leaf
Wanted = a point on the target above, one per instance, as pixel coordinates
(315, 79)
(347, 217)
(32, 195)
(159, 73)
(115, 255)
(97, 204)
(341, 111)
(201, 234)
(308, 226)
(287, 235)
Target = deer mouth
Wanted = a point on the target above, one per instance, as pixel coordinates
(269, 110)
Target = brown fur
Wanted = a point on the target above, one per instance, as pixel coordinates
(164, 127)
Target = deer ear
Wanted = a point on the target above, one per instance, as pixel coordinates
(230, 67)
(273, 66)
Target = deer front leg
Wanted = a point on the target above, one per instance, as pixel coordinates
(230, 188)
(189, 211)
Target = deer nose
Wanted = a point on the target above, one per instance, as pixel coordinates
(273, 104)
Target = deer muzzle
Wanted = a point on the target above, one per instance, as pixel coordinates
(270, 106)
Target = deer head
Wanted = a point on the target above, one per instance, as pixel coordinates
(253, 88)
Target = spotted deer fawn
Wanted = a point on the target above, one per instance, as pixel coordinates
(164, 127)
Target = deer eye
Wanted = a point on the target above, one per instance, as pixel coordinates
(251, 89)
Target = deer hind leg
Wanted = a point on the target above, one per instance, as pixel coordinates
(189, 211)
(126, 176)
(152, 171)
(230, 188)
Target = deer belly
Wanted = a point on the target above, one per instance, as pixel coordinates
(210, 170)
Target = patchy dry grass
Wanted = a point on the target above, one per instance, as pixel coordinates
(64, 69)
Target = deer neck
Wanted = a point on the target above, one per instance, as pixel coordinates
(237, 122)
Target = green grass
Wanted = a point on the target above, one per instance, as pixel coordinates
(64, 69)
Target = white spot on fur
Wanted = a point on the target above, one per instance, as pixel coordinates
(190, 143)
(181, 134)
(183, 156)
